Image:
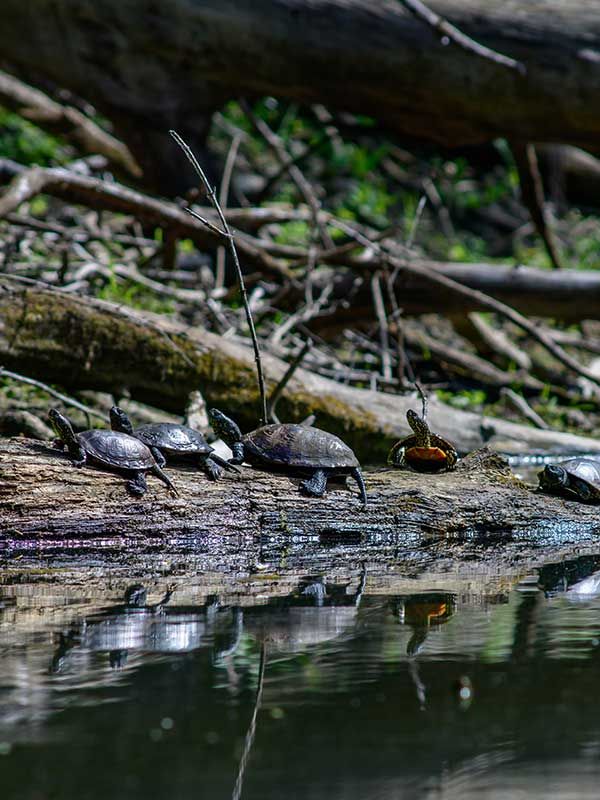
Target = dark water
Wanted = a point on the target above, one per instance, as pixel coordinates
(489, 691)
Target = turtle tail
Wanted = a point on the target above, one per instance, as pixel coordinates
(357, 475)
(164, 478)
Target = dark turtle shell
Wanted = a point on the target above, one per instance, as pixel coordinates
(117, 450)
(172, 438)
(578, 476)
(298, 446)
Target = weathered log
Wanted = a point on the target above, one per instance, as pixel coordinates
(90, 344)
(569, 295)
(152, 66)
(44, 500)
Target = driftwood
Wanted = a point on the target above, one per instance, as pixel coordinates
(90, 344)
(44, 500)
(187, 58)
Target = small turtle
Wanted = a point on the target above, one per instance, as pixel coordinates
(577, 477)
(424, 451)
(299, 449)
(110, 449)
(171, 442)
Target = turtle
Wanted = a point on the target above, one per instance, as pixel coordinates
(577, 477)
(294, 449)
(424, 451)
(169, 441)
(110, 449)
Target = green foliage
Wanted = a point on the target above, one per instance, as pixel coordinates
(24, 142)
(134, 295)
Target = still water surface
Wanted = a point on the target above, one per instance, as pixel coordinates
(355, 693)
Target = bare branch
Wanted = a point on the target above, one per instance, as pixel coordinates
(228, 236)
(444, 28)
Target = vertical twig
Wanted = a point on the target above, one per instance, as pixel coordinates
(386, 359)
(277, 391)
(532, 193)
(225, 232)
(223, 199)
(423, 401)
(248, 742)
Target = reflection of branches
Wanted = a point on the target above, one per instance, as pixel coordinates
(239, 781)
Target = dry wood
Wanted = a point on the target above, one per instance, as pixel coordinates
(80, 343)
(41, 109)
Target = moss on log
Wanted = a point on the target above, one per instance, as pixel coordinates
(81, 343)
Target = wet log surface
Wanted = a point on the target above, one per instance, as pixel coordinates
(479, 517)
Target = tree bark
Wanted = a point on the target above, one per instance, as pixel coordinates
(81, 343)
(45, 500)
(151, 66)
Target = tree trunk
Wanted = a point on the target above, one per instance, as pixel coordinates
(46, 502)
(150, 66)
(90, 344)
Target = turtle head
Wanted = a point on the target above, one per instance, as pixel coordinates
(119, 421)
(553, 477)
(61, 426)
(224, 427)
(419, 427)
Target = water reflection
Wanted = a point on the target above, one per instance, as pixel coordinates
(336, 690)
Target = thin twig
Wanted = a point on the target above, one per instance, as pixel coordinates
(251, 733)
(386, 360)
(523, 407)
(277, 391)
(444, 28)
(223, 200)
(226, 233)
(423, 400)
(297, 176)
(532, 194)
(68, 401)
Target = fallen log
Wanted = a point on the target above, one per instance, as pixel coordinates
(188, 58)
(569, 295)
(81, 343)
(45, 501)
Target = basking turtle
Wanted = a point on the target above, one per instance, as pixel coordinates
(424, 451)
(577, 477)
(110, 449)
(295, 449)
(171, 442)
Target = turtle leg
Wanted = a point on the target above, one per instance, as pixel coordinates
(164, 478)
(222, 463)
(137, 485)
(237, 450)
(357, 475)
(396, 455)
(315, 485)
(158, 456)
(212, 469)
(77, 455)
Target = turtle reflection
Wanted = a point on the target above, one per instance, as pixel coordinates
(136, 625)
(422, 612)
(317, 613)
